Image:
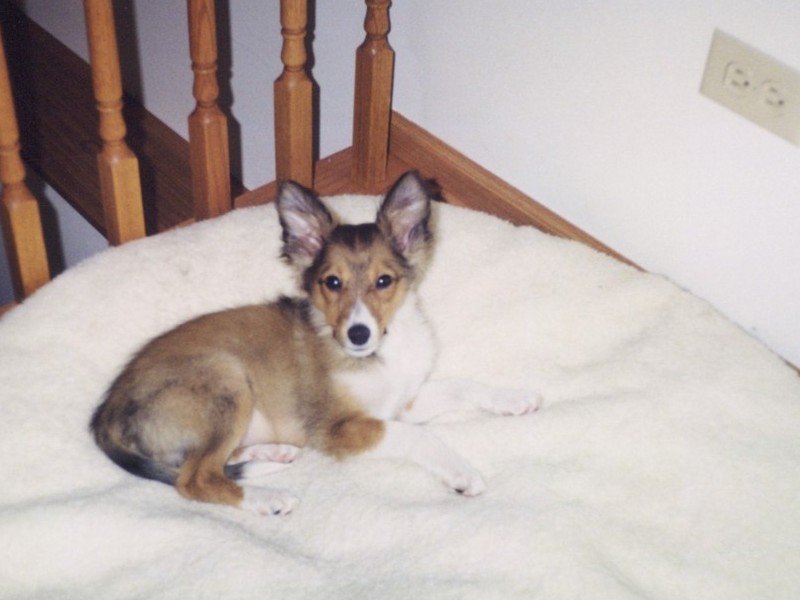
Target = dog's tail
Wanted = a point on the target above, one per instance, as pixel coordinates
(108, 439)
(139, 465)
(107, 436)
(143, 466)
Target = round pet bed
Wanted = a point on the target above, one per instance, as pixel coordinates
(664, 463)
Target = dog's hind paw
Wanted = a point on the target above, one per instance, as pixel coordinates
(258, 460)
(280, 453)
(511, 402)
(267, 502)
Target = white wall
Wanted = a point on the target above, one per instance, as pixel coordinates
(592, 108)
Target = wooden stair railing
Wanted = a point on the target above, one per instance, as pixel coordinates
(118, 167)
(58, 121)
(366, 167)
(373, 97)
(294, 96)
(208, 125)
(21, 222)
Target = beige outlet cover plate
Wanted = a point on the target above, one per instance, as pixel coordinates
(754, 85)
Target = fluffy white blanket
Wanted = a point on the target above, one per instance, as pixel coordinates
(664, 464)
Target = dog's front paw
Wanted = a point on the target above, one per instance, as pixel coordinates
(470, 486)
(267, 502)
(465, 480)
(511, 402)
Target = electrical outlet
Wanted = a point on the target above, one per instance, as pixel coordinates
(753, 84)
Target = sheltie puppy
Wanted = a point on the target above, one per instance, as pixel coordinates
(342, 368)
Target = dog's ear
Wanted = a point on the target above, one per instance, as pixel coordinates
(306, 223)
(405, 214)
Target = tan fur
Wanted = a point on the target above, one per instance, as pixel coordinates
(194, 391)
(358, 271)
(188, 401)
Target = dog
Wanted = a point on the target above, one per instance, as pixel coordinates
(342, 368)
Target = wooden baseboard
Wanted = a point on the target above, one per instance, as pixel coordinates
(461, 180)
(332, 175)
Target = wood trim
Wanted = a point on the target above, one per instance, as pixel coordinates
(20, 219)
(208, 126)
(294, 99)
(4, 308)
(332, 175)
(372, 100)
(461, 180)
(120, 183)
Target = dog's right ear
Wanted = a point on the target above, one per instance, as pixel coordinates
(306, 223)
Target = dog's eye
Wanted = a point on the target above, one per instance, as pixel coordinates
(384, 281)
(333, 283)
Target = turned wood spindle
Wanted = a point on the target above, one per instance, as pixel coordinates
(373, 97)
(208, 125)
(120, 186)
(293, 92)
(21, 222)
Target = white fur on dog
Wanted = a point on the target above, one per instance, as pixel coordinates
(664, 464)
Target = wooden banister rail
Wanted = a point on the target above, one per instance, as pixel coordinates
(118, 167)
(293, 92)
(373, 97)
(208, 126)
(19, 211)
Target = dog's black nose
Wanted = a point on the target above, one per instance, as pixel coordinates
(358, 334)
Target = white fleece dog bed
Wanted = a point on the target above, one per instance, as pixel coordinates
(664, 464)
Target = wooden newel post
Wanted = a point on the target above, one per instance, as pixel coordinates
(120, 186)
(208, 125)
(22, 227)
(373, 97)
(293, 92)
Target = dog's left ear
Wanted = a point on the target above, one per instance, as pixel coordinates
(405, 214)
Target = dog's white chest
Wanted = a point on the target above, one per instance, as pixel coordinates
(403, 363)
